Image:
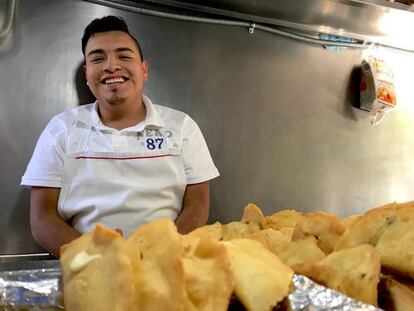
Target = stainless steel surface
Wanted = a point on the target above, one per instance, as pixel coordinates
(26, 257)
(372, 20)
(29, 265)
(276, 113)
(252, 26)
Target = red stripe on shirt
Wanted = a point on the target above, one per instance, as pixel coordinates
(130, 158)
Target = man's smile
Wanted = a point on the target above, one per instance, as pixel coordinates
(114, 80)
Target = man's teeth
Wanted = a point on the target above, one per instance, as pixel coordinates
(115, 80)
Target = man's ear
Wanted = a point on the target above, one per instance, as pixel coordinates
(84, 72)
(144, 66)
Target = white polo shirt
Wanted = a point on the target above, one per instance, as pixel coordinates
(119, 178)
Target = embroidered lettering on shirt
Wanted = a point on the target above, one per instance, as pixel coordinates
(153, 132)
(156, 139)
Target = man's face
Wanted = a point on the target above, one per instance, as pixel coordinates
(113, 68)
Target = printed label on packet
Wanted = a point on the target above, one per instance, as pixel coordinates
(377, 89)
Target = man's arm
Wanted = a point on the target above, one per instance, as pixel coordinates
(48, 228)
(196, 205)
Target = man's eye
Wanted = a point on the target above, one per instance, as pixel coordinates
(125, 57)
(96, 59)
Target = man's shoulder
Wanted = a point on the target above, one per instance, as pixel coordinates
(70, 115)
(170, 114)
(73, 112)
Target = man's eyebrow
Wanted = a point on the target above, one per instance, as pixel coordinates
(101, 51)
(124, 49)
(96, 51)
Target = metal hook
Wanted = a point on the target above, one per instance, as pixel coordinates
(251, 28)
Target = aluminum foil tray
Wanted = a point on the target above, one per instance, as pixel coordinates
(38, 287)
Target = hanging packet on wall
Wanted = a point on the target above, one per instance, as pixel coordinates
(377, 88)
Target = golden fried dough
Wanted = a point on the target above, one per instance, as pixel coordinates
(159, 277)
(294, 252)
(321, 274)
(159, 269)
(369, 227)
(347, 221)
(359, 269)
(208, 278)
(215, 229)
(97, 273)
(236, 230)
(394, 295)
(290, 252)
(389, 229)
(283, 219)
(270, 239)
(262, 279)
(288, 232)
(252, 213)
(354, 272)
(396, 246)
(325, 227)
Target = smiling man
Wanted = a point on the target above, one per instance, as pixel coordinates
(121, 161)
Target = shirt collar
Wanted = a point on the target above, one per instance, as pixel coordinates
(152, 117)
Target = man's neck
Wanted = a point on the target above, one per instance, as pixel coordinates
(123, 115)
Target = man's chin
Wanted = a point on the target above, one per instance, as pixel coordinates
(114, 100)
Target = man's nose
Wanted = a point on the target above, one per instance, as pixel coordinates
(111, 65)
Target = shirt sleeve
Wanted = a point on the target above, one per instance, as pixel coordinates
(198, 164)
(46, 165)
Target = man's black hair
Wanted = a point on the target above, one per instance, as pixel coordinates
(104, 24)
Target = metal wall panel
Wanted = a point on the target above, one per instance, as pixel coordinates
(276, 113)
(380, 21)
